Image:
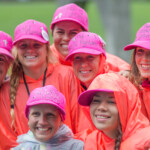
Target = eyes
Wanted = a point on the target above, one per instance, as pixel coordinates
(141, 52)
(38, 114)
(24, 45)
(79, 58)
(61, 32)
(99, 100)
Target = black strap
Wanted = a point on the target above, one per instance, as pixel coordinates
(44, 79)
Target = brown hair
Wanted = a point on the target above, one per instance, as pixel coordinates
(135, 76)
(17, 70)
(118, 138)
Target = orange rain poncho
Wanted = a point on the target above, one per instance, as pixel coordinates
(145, 98)
(82, 111)
(7, 136)
(115, 63)
(135, 126)
(62, 78)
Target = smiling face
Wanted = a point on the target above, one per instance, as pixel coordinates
(142, 58)
(63, 32)
(104, 113)
(44, 121)
(86, 67)
(32, 54)
(4, 65)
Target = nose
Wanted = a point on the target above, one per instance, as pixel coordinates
(84, 63)
(42, 119)
(102, 106)
(66, 37)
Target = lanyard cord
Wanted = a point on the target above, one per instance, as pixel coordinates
(44, 79)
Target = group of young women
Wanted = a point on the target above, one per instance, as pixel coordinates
(111, 112)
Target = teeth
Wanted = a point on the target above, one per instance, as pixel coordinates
(145, 66)
(84, 71)
(30, 57)
(43, 129)
(65, 46)
(103, 117)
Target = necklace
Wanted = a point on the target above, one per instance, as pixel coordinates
(27, 88)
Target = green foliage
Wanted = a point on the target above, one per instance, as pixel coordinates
(13, 13)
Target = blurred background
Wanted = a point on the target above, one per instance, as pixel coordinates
(116, 21)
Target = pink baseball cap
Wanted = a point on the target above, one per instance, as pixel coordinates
(71, 12)
(86, 42)
(6, 43)
(47, 95)
(142, 38)
(31, 29)
(86, 97)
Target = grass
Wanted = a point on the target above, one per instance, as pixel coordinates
(14, 13)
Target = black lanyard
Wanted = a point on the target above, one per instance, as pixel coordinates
(44, 78)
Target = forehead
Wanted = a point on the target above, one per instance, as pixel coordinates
(83, 55)
(44, 108)
(104, 94)
(68, 25)
(28, 41)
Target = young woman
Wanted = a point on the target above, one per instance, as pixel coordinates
(140, 66)
(45, 111)
(6, 58)
(68, 20)
(115, 110)
(31, 69)
(88, 58)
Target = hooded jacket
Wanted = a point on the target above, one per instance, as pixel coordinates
(135, 126)
(62, 140)
(61, 77)
(7, 136)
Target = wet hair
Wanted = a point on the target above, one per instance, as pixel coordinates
(135, 76)
(17, 71)
(118, 138)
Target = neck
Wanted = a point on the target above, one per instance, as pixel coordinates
(85, 84)
(111, 134)
(34, 73)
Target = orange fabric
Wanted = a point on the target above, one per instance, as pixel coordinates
(115, 63)
(133, 122)
(83, 112)
(63, 78)
(57, 56)
(145, 98)
(7, 136)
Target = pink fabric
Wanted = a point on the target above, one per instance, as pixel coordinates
(6, 43)
(31, 29)
(86, 42)
(46, 95)
(142, 38)
(71, 12)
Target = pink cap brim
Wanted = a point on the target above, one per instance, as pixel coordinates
(32, 37)
(5, 52)
(143, 44)
(68, 19)
(44, 102)
(85, 50)
(86, 97)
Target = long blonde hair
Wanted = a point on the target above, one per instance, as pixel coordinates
(17, 71)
